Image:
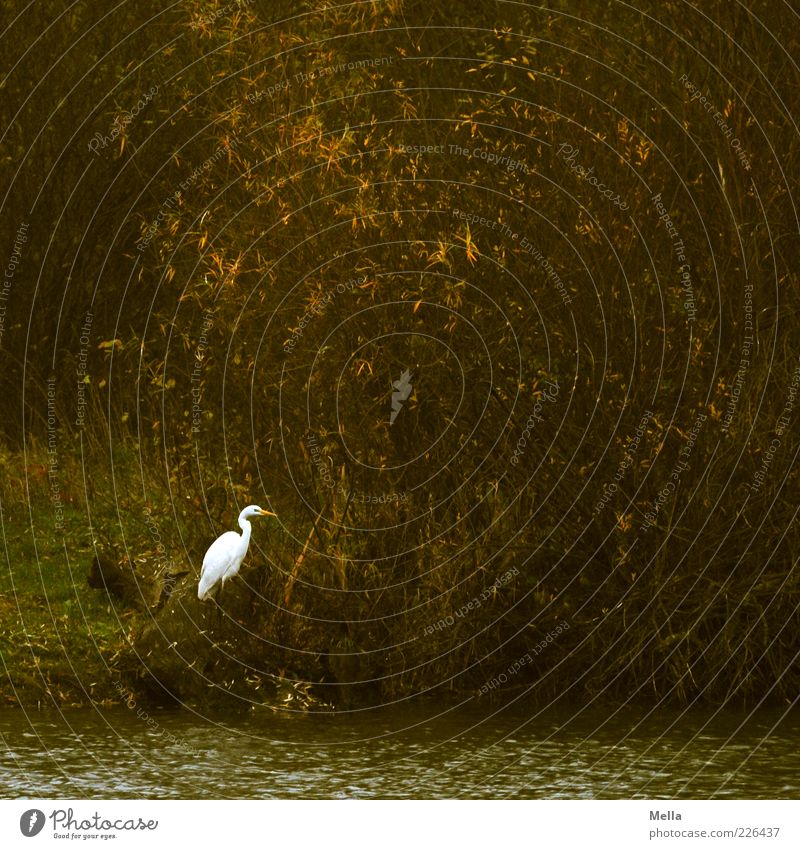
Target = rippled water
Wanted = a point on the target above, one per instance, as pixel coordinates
(399, 752)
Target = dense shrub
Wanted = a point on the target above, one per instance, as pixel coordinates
(529, 212)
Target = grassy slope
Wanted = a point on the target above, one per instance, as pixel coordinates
(59, 640)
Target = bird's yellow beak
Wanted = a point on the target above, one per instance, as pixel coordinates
(267, 513)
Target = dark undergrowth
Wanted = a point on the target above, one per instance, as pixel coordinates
(588, 490)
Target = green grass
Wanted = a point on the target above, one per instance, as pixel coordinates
(60, 640)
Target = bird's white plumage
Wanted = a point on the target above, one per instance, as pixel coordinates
(225, 555)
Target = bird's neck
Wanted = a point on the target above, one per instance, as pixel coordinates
(246, 527)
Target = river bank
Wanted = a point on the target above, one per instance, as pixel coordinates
(67, 644)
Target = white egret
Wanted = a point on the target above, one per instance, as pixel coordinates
(224, 557)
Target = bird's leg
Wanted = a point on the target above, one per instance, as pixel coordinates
(217, 598)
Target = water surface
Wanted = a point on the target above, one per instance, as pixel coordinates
(467, 751)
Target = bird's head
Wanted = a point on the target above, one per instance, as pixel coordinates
(254, 510)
